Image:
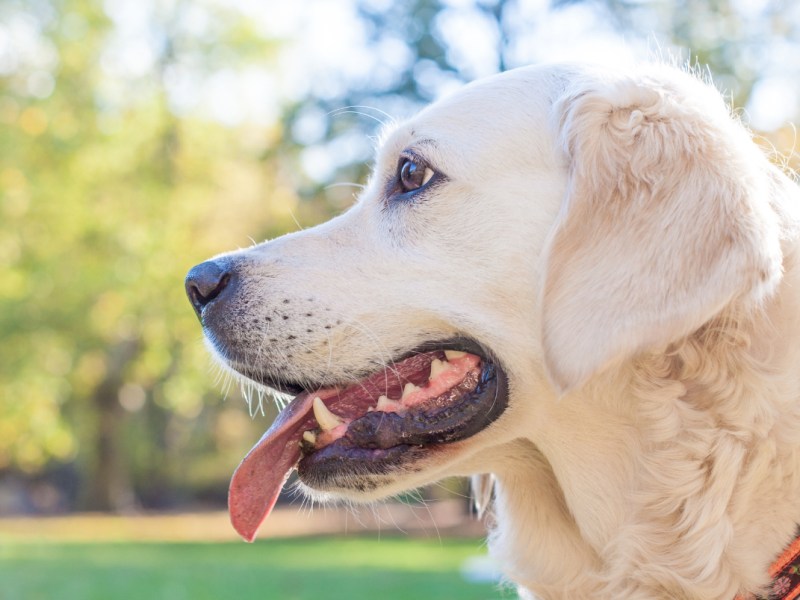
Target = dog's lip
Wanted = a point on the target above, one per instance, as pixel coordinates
(258, 479)
(294, 388)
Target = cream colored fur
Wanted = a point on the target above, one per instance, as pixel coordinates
(628, 254)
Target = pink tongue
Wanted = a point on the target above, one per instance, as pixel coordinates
(260, 476)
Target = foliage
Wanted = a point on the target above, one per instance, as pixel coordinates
(105, 205)
(739, 43)
(743, 47)
(114, 180)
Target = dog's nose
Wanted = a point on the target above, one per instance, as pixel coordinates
(205, 282)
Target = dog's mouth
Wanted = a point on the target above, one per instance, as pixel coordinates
(340, 437)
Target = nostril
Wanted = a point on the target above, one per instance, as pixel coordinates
(205, 282)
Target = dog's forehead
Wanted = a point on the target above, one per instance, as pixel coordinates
(511, 110)
(514, 94)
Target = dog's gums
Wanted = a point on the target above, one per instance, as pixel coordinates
(380, 423)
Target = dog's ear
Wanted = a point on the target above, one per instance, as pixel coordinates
(666, 221)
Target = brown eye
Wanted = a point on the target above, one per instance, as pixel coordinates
(413, 175)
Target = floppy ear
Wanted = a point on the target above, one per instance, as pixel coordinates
(666, 221)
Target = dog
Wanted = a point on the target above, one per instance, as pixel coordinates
(580, 282)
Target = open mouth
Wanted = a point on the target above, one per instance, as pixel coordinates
(339, 437)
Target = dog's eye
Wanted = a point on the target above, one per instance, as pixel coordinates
(413, 175)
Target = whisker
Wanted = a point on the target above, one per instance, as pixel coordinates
(345, 184)
(389, 118)
(353, 111)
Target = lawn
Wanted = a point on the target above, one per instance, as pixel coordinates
(295, 569)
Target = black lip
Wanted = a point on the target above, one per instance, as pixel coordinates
(472, 411)
(343, 465)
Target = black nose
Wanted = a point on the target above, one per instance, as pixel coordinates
(205, 282)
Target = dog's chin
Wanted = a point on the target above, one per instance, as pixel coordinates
(374, 435)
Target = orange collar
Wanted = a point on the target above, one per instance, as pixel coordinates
(785, 573)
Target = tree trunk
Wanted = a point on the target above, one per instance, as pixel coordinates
(109, 487)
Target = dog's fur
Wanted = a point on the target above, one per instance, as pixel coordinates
(629, 255)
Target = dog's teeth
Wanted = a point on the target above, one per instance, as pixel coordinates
(385, 404)
(310, 437)
(326, 419)
(453, 354)
(438, 367)
(409, 389)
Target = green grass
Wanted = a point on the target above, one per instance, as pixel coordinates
(299, 569)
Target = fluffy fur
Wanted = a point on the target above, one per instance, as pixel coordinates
(629, 255)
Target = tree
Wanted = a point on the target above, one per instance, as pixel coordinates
(115, 179)
(108, 197)
(423, 48)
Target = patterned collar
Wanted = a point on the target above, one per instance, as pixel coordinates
(785, 573)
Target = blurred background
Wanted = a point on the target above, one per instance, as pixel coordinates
(140, 137)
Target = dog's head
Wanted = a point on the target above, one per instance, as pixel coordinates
(514, 240)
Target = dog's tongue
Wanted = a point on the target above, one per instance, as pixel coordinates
(260, 476)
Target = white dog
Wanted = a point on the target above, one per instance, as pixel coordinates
(583, 282)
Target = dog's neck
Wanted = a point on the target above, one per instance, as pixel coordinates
(685, 485)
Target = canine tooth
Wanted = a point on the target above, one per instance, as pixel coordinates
(310, 437)
(454, 354)
(409, 389)
(438, 367)
(385, 403)
(326, 419)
